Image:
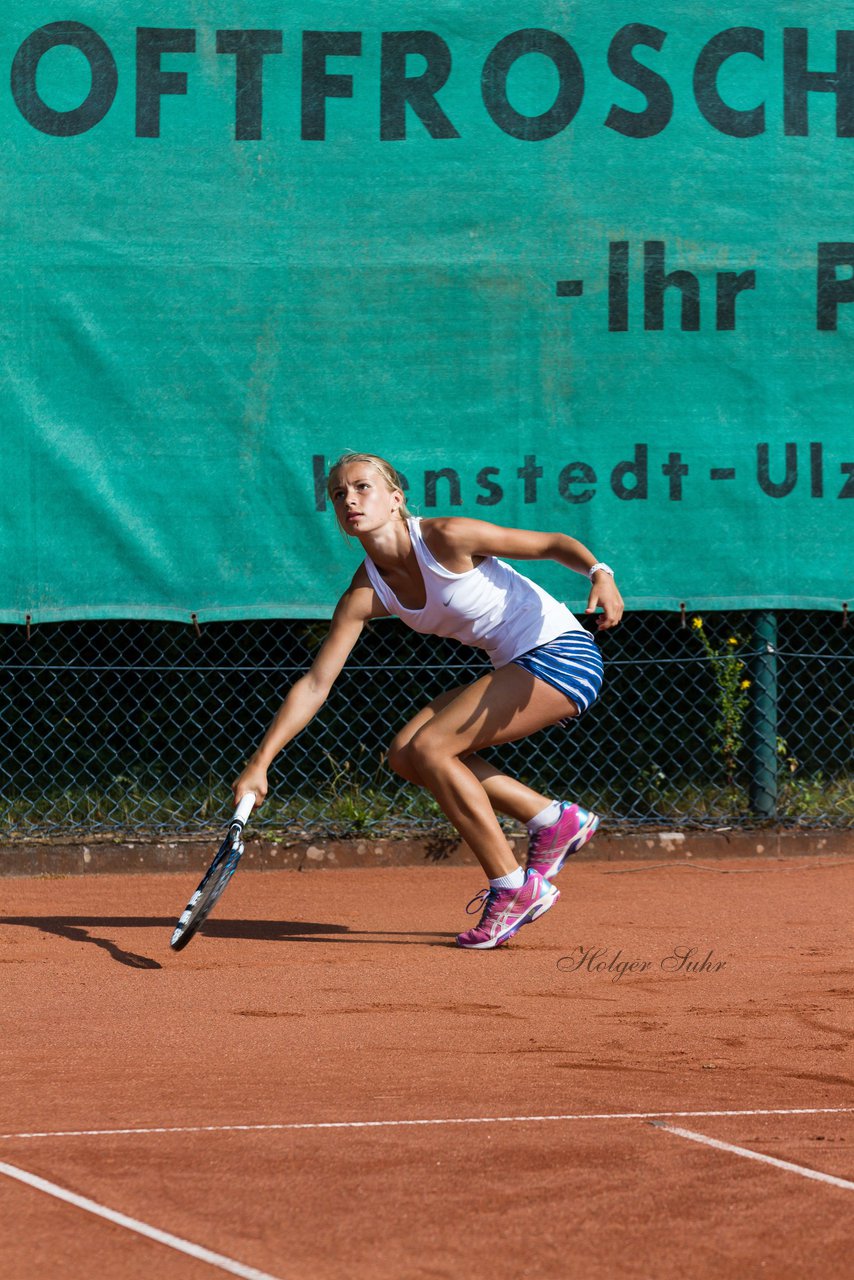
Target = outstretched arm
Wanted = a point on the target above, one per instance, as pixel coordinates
(457, 536)
(308, 694)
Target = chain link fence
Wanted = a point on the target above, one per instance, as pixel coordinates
(130, 727)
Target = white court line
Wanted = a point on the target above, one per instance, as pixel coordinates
(393, 1124)
(133, 1224)
(757, 1155)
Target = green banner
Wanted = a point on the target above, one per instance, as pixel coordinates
(585, 267)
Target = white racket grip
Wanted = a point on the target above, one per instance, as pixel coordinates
(243, 810)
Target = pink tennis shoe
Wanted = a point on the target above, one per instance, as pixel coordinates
(549, 847)
(506, 910)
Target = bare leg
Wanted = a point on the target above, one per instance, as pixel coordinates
(503, 706)
(506, 794)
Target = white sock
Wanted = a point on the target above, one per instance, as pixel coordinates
(514, 880)
(545, 817)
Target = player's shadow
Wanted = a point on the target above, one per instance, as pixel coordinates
(76, 929)
(79, 929)
(302, 931)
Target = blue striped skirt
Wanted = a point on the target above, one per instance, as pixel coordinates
(571, 663)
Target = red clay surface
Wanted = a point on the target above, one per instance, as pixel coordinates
(338, 997)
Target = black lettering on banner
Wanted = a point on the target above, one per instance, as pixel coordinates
(726, 44)
(638, 469)
(102, 64)
(570, 92)
(816, 471)
(494, 493)
(576, 473)
(776, 489)
(530, 473)
(798, 81)
(397, 88)
(674, 469)
(318, 468)
(318, 84)
(830, 289)
(577, 481)
(729, 285)
(659, 99)
(151, 82)
(654, 284)
(249, 49)
(430, 482)
(618, 286)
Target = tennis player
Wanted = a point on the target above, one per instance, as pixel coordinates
(442, 576)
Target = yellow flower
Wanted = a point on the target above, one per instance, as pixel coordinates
(697, 624)
(745, 684)
(732, 640)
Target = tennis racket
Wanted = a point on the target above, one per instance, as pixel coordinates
(216, 877)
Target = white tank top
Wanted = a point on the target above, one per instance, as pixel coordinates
(491, 607)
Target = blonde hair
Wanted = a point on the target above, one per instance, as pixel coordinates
(386, 470)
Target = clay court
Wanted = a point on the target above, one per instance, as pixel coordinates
(653, 1080)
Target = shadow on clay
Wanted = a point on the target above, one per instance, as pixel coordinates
(78, 929)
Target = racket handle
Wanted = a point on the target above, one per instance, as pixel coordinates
(243, 810)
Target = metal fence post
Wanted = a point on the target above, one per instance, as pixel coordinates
(763, 719)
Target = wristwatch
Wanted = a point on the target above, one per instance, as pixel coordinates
(605, 568)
